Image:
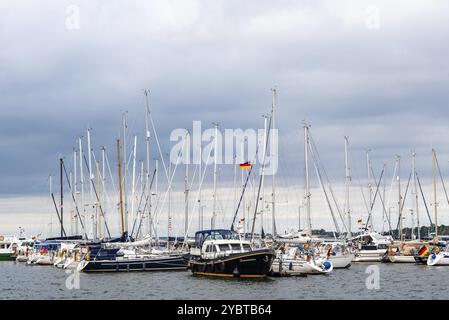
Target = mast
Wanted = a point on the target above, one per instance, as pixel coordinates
(91, 177)
(75, 189)
(200, 206)
(133, 180)
(435, 205)
(398, 159)
(186, 194)
(214, 212)
(103, 174)
(122, 218)
(125, 170)
(307, 182)
(147, 142)
(348, 182)
(82, 182)
(169, 204)
(416, 194)
(273, 174)
(99, 231)
(61, 204)
(370, 191)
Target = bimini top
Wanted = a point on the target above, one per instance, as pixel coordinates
(215, 234)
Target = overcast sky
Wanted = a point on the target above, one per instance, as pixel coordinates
(376, 71)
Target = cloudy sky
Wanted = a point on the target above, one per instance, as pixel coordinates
(376, 71)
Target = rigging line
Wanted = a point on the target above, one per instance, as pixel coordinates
(146, 204)
(381, 198)
(139, 206)
(195, 204)
(243, 191)
(354, 168)
(74, 201)
(442, 181)
(329, 183)
(405, 195)
(375, 197)
(320, 180)
(267, 138)
(424, 199)
(57, 212)
(169, 187)
(98, 200)
(157, 141)
(105, 191)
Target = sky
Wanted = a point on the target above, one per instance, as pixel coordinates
(375, 71)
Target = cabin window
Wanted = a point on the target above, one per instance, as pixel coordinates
(246, 247)
(210, 248)
(235, 246)
(223, 247)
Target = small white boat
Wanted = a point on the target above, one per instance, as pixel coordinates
(337, 253)
(371, 247)
(294, 263)
(438, 259)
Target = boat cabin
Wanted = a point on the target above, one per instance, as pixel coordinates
(211, 244)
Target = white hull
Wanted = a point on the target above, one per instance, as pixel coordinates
(342, 261)
(44, 260)
(299, 266)
(438, 259)
(401, 259)
(369, 255)
(21, 258)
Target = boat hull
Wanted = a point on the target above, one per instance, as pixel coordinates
(255, 264)
(438, 259)
(342, 261)
(8, 256)
(173, 263)
(299, 267)
(401, 259)
(369, 256)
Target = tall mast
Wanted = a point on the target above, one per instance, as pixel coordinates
(98, 217)
(91, 177)
(103, 175)
(307, 182)
(186, 195)
(242, 149)
(435, 205)
(75, 191)
(273, 174)
(416, 193)
(82, 181)
(398, 159)
(200, 206)
(122, 218)
(147, 141)
(169, 203)
(61, 204)
(348, 182)
(262, 180)
(214, 212)
(370, 193)
(125, 169)
(133, 180)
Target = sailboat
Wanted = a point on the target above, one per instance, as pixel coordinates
(302, 259)
(438, 257)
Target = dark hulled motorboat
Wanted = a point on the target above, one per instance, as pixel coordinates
(101, 259)
(222, 253)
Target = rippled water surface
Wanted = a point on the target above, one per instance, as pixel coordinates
(397, 281)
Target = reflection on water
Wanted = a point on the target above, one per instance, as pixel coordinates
(397, 281)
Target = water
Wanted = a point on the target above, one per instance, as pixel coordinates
(397, 281)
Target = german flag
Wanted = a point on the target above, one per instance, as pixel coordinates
(424, 251)
(245, 165)
(360, 221)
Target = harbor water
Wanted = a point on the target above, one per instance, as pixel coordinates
(360, 281)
